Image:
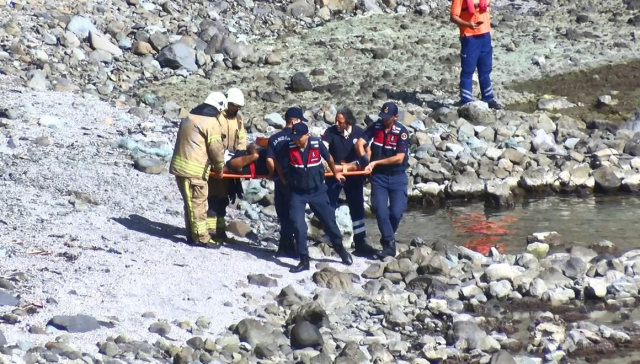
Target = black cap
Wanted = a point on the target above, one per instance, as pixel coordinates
(388, 110)
(294, 112)
(299, 130)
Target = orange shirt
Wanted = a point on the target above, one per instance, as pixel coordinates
(456, 9)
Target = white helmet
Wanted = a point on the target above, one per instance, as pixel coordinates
(235, 96)
(217, 100)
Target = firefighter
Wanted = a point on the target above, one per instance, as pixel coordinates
(305, 180)
(198, 147)
(234, 138)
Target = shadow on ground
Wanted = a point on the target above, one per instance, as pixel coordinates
(156, 229)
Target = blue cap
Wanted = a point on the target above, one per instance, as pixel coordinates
(295, 112)
(299, 130)
(388, 110)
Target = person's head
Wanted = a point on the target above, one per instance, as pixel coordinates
(217, 100)
(294, 115)
(235, 100)
(388, 113)
(300, 134)
(344, 118)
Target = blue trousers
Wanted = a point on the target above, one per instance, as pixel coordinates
(319, 203)
(476, 52)
(389, 202)
(281, 197)
(354, 191)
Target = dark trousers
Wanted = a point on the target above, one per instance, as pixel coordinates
(476, 52)
(389, 202)
(281, 196)
(218, 201)
(318, 201)
(354, 192)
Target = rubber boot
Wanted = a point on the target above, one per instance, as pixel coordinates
(388, 250)
(302, 266)
(221, 235)
(343, 253)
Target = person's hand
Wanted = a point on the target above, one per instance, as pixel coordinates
(252, 149)
(475, 25)
(219, 174)
(339, 176)
(369, 167)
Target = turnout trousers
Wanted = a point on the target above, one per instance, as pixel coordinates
(389, 202)
(194, 195)
(318, 201)
(354, 192)
(476, 52)
(218, 201)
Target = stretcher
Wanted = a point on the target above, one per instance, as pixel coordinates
(327, 174)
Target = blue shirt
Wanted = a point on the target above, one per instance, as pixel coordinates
(386, 144)
(278, 142)
(341, 148)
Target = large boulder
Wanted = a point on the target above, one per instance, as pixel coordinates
(477, 113)
(178, 55)
(606, 180)
(466, 185)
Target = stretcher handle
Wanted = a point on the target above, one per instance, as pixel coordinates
(327, 174)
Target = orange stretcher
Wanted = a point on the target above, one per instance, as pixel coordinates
(327, 174)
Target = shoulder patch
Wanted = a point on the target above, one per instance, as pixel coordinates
(404, 136)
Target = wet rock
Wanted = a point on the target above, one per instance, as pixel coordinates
(178, 55)
(498, 195)
(262, 280)
(7, 299)
(149, 165)
(300, 83)
(74, 324)
(304, 335)
(606, 180)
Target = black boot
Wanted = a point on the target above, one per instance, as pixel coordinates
(221, 235)
(303, 265)
(364, 250)
(388, 249)
(343, 253)
(286, 250)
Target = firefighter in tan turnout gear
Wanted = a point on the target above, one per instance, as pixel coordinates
(234, 138)
(198, 148)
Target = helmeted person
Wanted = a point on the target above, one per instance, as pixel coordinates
(305, 180)
(340, 139)
(389, 161)
(234, 138)
(474, 21)
(199, 147)
(279, 140)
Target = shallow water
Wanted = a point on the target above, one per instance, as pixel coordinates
(579, 221)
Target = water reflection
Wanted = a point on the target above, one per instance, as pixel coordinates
(582, 221)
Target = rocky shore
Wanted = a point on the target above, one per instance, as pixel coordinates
(92, 262)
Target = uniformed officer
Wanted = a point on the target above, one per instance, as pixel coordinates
(281, 139)
(389, 161)
(198, 147)
(340, 140)
(305, 179)
(234, 138)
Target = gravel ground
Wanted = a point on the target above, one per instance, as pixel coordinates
(105, 260)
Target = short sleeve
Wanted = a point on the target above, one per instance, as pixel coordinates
(326, 136)
(271, 153)
(403, 144)
(456, 7)
(324, 152)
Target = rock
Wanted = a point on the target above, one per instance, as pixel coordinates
(351, 353)
(149, 165)
(301, 9)
(262, 280)
(159, 40)
(477, 113)
(275, 120)
(596, 288)
(142, 48)
(502, 357)
(264, 351)
(466, 185)
(606, 180)
(305, 335)
(38, 81)
(331, 278)
(513, 155)
(470, 332)
(161, 328)
(3, 339)
(109, 348)
(74, 324)
(274, 58)
(7, 299)
(396, 318)
(539, 250)
(81, 26)
(552, 104)
(498, 194)
(500, 271)
(375, 271)
(98, 41)
(253, 332)
(488, 344)
(239, 228)
(178, 55)
(500, 289)
(300, 83)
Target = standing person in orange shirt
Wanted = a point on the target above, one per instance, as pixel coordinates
(474, 21)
